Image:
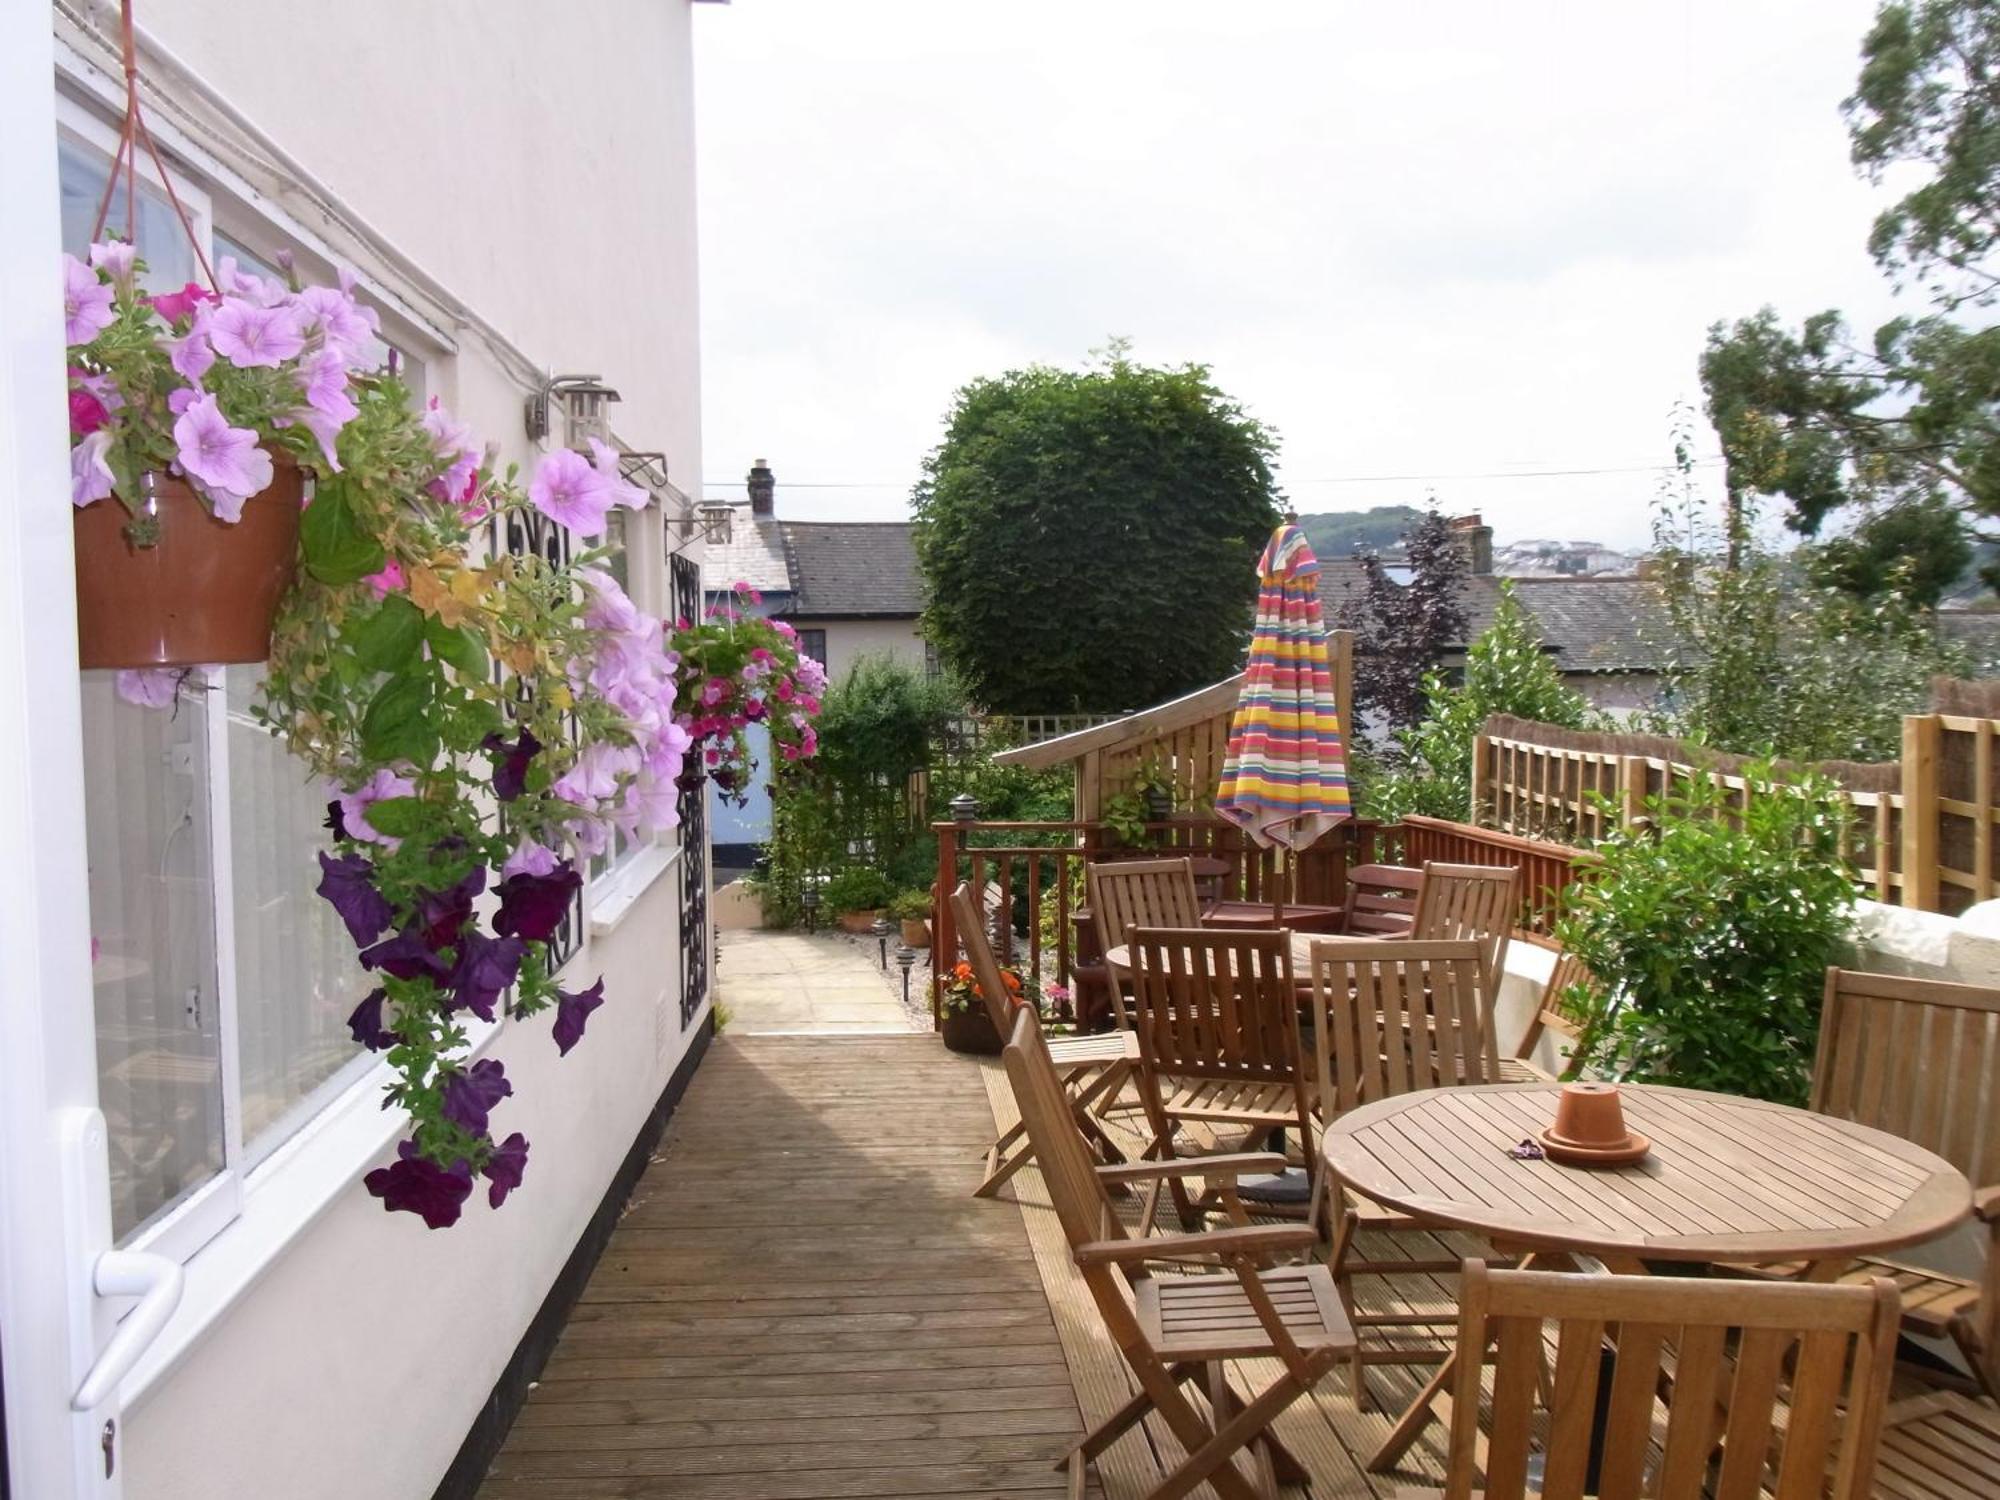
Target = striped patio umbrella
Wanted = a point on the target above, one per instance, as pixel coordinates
(1285, 778)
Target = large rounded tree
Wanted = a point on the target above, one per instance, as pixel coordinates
(1089, 539)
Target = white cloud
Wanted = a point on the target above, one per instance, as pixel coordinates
(1446, 239)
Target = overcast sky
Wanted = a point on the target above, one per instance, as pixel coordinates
(1425, 242)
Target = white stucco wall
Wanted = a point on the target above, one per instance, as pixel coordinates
(538, 161)
(847, 641)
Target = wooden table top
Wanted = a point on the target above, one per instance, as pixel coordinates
(1120, 957)
(1728, 1179)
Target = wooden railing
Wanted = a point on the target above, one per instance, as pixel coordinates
(1547, 869)
(1031, 879)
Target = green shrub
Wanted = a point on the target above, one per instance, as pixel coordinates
(1710, 929)
(911, 906)
(856, 888)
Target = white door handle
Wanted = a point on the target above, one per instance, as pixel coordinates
(157, 1283)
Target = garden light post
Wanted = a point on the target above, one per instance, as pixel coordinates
(881, 931)
(965, 808)
(905, 956)
(809, 899)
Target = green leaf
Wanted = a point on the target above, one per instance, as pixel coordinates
(386, 640)
(338, 549)
(461, 648)
(397, 723)
(399, 817)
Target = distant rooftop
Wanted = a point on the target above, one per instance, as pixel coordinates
(816, 569)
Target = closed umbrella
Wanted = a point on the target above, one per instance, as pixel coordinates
(1285, 778)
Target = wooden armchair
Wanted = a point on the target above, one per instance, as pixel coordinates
(1715, 1352)
(1133, 893)
(1564, 1009)
(1480, 902)
(1381, 900)
(1919, 1059)
(1173, 1329)
(1094, 1067)
(1390, 1018)
(1217, 1018)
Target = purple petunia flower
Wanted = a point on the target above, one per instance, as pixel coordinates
(191, 355)
(572, 1011)
(568, 490)
(254, 337)
(87, 310)
(531, 858)
(469, 1095)
(414, 1184)
(486, 966)
(225, 459)
(90, 468)
(366, 1023)
(532, 906)
(510, 776)
(348, 884)
(445, 913)
(604, 459)
(406, 956)
(354, 805)
(504, 1168)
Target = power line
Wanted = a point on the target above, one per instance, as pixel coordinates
(1654, 468)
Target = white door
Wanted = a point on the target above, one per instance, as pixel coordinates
(74, 1311)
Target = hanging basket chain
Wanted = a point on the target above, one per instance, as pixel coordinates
(126, 159)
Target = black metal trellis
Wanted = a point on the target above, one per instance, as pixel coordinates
(685, 604)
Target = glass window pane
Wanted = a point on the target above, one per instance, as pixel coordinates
(297, 980)
(170, 259)
(146, 777)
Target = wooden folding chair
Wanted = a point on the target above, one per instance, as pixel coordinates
(1480, 902)
(1217, 1017)
(1389, 1018)
(1919, 1059)
(1715, 1352)
(1381, 900)
(1567, 1001)
(1173, 1329)
(1133, 893)
(1093, 1067)
(1946, 1445)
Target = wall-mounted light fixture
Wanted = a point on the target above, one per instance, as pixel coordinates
(582, 405)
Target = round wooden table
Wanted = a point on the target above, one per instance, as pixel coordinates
(1728, 1179)
(1120, 956)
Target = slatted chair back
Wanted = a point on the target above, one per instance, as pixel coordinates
(1133, 893)
(1918, 1058)
(979, 954)
(1389, 1018)
(1381, 899)
(1722, 1349)
(1567, 1001)
(1480, 902)
(1216, 1005)
(1064, 1160)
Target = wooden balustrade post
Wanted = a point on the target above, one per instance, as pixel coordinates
(1923, 736)
(1482, 776)
(1631, 790)
(944, 937)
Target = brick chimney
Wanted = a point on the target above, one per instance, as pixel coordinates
(1477, 539)
(763, 490)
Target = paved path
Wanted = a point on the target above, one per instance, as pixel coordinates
(788, 983)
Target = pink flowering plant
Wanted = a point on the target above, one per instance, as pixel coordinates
(737, 669)
(483, 722)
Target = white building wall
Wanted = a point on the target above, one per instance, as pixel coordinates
(538, 161)
(847, 641)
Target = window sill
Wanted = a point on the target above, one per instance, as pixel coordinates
(613, 895)
(282, 1197)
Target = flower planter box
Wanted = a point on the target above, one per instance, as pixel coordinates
(971, 1032)
(916, 933)
(860, 923)
(206, 592)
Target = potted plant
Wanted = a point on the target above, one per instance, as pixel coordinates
(857, 895)
(483, 723)
(966, 1025)
(913, 910)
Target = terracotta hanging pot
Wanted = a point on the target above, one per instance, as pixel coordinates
(206, 591)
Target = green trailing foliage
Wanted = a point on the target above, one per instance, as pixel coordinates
(1710, 927)
(1089, 538)
(1507, 671)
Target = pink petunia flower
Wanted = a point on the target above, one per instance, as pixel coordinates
(253, 337)
(87, 310)
(89, 470)
(225, 459)
(332, 315)
(115, 259)
(604, 459)
(569, 491)
(86, 412)
(173, 306)
(388, 581)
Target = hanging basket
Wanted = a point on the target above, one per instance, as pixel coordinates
(206, 592)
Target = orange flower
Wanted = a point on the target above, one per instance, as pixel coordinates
(963, 971)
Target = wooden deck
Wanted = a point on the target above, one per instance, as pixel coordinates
(804, 1300)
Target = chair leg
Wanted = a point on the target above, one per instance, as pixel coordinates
(1336, 1263)
(1207, 1458)
(1213, 1460)
(1121, 1421)
(1279, 1463)
(999, 1165)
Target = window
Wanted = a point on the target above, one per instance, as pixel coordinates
(221, 981)
(813, 644)
(618, 526)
